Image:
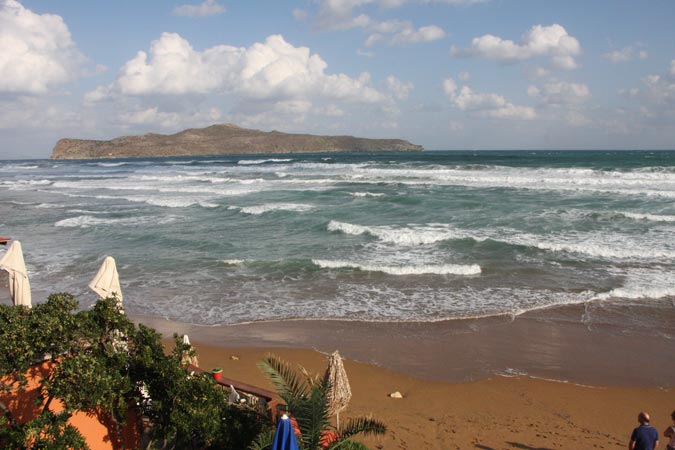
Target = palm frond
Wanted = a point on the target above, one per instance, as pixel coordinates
(313, 417)
(263, 441)
(362, 425)
(286, 381)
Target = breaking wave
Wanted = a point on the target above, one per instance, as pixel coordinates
(86, 221)
(267, 207)
(422, 269)
(249, 162)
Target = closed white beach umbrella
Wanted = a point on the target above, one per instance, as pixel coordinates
(339, 392)
(186, 356)
(107, 281)
(19, 288)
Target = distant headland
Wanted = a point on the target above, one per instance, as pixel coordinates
(219, 140)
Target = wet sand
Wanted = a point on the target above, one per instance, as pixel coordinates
(552, 344)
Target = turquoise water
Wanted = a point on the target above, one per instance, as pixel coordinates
(378, 237)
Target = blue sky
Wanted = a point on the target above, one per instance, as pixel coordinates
(446, 74)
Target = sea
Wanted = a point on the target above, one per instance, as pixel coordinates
(383, 237)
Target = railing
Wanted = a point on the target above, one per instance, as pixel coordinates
(264, 397)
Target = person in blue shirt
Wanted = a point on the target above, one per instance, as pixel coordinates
(644, 437)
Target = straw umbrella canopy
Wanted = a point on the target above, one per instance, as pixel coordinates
(19, 287)
(107, 282)
(339, 393)
(189, 356)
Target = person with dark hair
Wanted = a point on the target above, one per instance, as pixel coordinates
(670, 434)
(644, 437)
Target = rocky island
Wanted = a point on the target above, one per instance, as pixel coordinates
(218, 140)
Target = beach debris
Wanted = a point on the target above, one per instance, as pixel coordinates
(234, 358)
(396, 394)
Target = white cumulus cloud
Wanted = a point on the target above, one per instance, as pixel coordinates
(407, 35)
(485, 104)
(560, 92)
(154, 116)
(273, 69)
(659, 90)
(204, 9)
(551, 41)
(399, 89)
(336, 15)
(36, 50)
(625, 54)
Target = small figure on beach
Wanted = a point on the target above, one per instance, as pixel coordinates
(644, 437)
(670, 434)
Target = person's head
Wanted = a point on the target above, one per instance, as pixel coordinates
(643, 418)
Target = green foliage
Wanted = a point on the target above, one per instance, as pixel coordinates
(101, 363)
(305, 396)
(28, 334)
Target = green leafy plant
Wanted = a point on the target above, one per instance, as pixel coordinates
(105, 366)
(305, 396)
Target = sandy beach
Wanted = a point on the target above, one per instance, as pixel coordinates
(494, 413)
(501, 383)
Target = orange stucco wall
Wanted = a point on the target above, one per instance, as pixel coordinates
(99, 435)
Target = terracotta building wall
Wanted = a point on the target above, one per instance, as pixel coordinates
(98, 434)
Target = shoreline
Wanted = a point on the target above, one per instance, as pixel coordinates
(552, 345)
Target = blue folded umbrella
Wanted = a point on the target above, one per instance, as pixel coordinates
(284, 438)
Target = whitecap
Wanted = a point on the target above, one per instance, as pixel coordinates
(418, 269)
(86, 221)
(247, 162)
(642, 283)
(420, 235)
(233, 262)
(267, 207)
(647, 216)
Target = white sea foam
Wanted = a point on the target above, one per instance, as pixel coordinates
(167, 202)
(658, 184)
(267, 207)
(597, 245)
(647, 216)
(86, 221)
(86, 211)
(367, 194)
(643, 283)
(20, 167)
(233, 262)
(18, 203)
(261, 161)
(110, 164)
(25, 184)
(419, 235)
(439, 269)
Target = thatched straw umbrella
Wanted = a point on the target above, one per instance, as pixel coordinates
(339, 393)
(189, 356)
